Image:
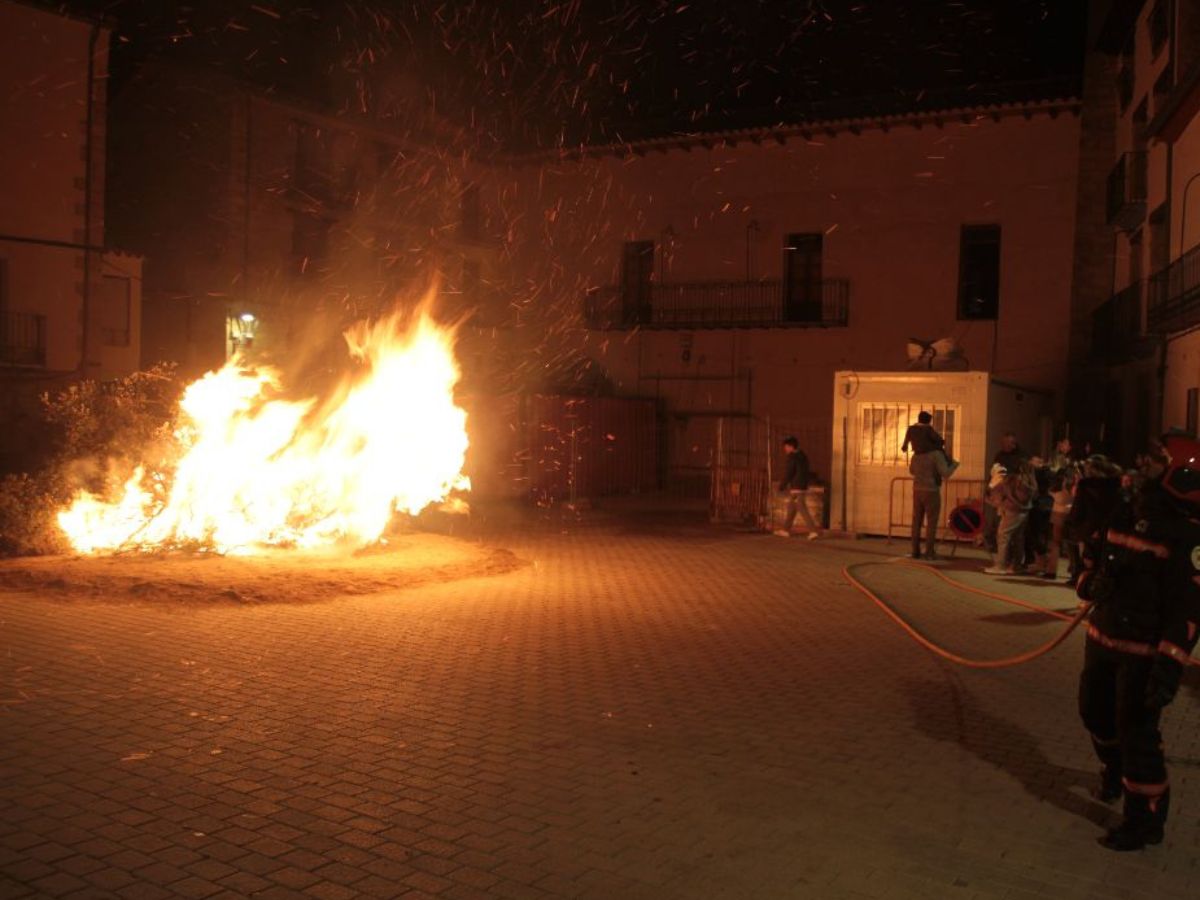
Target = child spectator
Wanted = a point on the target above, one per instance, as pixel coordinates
(924, 438)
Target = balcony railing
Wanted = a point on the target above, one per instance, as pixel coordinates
(1117, 331)
(1127, 190)
(22, 339)
(1173, 295)
(720, 304)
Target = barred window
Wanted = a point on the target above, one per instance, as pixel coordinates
(883, 426)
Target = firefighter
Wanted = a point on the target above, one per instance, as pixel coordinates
(1144, 581)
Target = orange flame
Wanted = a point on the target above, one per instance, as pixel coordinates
(248, 471)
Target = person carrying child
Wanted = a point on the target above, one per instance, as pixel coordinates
(924, 438)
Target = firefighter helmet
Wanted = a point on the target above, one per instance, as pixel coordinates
(1181, 478)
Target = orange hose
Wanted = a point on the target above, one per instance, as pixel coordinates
(954, 657)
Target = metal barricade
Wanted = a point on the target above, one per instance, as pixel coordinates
(954, 493)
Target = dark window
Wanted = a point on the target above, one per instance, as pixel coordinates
(979, 272)
(1162, 87)
(802, 278)
(1160, 238)
(113, 303)
(310, 242)
(637, 273)
(1142, 112)
(1136, 247)
(470, 216)
(1142, 418)
(1193, 410)
(1160, 25)
(1125, 75)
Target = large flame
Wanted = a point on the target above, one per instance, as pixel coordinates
(247, 471)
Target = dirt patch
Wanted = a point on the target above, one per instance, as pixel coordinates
(271, 577)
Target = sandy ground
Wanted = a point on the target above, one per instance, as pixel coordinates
(408, 560)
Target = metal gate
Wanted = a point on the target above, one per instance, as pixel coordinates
(746, 467)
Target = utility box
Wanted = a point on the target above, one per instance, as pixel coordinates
(870, 486)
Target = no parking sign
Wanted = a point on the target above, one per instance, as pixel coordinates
(966, 519)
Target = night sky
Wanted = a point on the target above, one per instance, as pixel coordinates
(525, 74)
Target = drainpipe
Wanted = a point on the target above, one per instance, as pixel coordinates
(93, 39)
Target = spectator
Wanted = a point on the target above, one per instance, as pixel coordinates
(928, 471)
(1013, 498)
(1008, 457)
(1062, 489)
(1037, 526)
(924, 438)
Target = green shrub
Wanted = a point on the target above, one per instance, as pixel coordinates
(100, 431)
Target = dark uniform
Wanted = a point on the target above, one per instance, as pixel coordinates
(1144, 579)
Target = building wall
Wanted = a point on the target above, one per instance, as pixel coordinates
(247, 203)
(1174, 182)
(890, 205)
(1182, 353)
(45, 60)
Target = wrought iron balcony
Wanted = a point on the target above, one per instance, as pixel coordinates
(1173, 295)
(719, 304)
(1118, 334)
(22, 339)
(1127, 190)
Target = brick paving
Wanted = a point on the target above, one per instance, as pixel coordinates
(651, 710)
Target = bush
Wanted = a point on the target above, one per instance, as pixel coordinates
(101, 430)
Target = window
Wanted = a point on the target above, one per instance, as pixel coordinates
(112, 313)
(310, 242)
(637, 276)
(1125, 75)
(470, 222)
(882, 427)
(979, 272)
(1160, 239)
(1141, 114)
(1160, 25)
(1193, 410)
(803, 287)
(1162, 87)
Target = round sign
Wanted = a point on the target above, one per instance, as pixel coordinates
(966, 519)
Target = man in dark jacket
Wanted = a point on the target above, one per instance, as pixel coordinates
(1141, 631)
(794, 484)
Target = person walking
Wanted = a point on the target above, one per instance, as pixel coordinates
(1142, 579)
(796, 476)
(928, 470)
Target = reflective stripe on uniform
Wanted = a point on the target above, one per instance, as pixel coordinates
(1145, 790)
(1166, 648)
(1133, 542)
(1137, 648)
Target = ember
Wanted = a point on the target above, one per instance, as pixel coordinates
(248, 469)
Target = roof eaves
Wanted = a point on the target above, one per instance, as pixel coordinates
(804, 129)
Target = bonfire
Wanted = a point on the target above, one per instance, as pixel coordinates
(249, 468)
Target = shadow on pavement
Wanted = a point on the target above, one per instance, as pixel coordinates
(945, 711)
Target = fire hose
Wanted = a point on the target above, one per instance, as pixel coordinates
(1074, 621)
